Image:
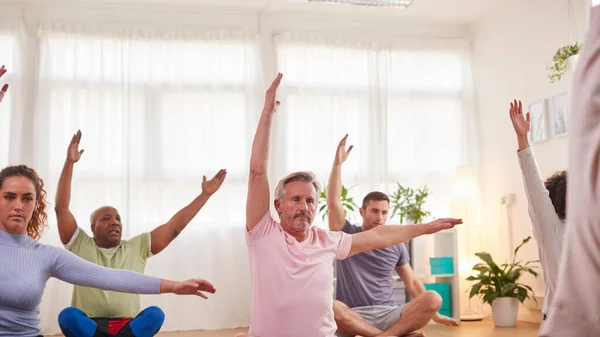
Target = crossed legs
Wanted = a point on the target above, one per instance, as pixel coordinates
(415, 315)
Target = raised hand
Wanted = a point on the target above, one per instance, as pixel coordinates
(342, 154)
(193, 287)
(441, 224)
(5, 86)
(73, 153)
(520, 123)
(211, 186)
(271, 102)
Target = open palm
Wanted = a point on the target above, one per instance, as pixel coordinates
(194, 287)
(73, 153)
(5, 86)
(342, 154)
(211, 186)
(271, 102)
(441, 224)
(520, 123)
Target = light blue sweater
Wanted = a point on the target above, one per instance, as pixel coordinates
(25, 267)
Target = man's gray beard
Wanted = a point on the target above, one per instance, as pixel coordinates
(300, 227)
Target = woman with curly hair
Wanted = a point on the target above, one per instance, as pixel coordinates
(547, 203)
(26, 265)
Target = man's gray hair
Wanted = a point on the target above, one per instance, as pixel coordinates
(297, 176)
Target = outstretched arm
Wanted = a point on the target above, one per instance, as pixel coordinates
(5, 86)
(257, 202)
(387, 236)
(335, 210)
(72, 269)
(66, 221)
(163, 235)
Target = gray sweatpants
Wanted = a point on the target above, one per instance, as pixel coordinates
(380, 316)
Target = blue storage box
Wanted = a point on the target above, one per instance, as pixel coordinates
(441, 265)
(444, 290)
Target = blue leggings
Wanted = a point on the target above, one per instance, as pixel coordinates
(75, 323)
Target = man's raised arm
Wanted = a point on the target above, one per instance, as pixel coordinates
(66, 221)
(257, 203)
(335, 211)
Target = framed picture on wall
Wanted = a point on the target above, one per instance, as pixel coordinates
(539, 121)
(560, 114)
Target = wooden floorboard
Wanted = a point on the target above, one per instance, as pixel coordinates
(467, 329)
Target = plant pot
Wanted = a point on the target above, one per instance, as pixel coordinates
(572, 62)
(505, 310)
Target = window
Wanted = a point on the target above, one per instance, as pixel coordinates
(325, 94)
(152, 113)
(402, 108)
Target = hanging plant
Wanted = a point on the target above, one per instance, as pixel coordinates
(560, 61)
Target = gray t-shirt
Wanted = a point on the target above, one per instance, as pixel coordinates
(365, 279)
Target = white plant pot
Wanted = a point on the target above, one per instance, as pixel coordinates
(572, 62)
(505, 310)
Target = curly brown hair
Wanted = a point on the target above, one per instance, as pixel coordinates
(38, 221)
(557, 186)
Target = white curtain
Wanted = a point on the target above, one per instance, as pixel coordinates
(406, 108)
(158, 109)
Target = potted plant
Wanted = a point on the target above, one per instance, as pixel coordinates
(347, 203)
(564, 58)
(499, 285)
(408, 203)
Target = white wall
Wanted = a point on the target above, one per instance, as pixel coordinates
(511, 50)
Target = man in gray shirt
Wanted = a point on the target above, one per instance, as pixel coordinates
(364, 302)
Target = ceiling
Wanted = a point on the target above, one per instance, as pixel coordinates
(421, 11)
(453, 12)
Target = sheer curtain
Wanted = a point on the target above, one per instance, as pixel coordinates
(158, 109)
(406, 108)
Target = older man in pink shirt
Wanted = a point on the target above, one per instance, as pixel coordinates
(291, 262)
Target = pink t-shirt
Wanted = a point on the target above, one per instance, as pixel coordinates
(292, 282)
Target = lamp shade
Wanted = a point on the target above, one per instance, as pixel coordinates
(464, 183)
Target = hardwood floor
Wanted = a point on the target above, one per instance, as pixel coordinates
(484, 328)
(467, 329)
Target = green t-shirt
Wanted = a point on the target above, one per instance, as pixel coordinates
(129, 254)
